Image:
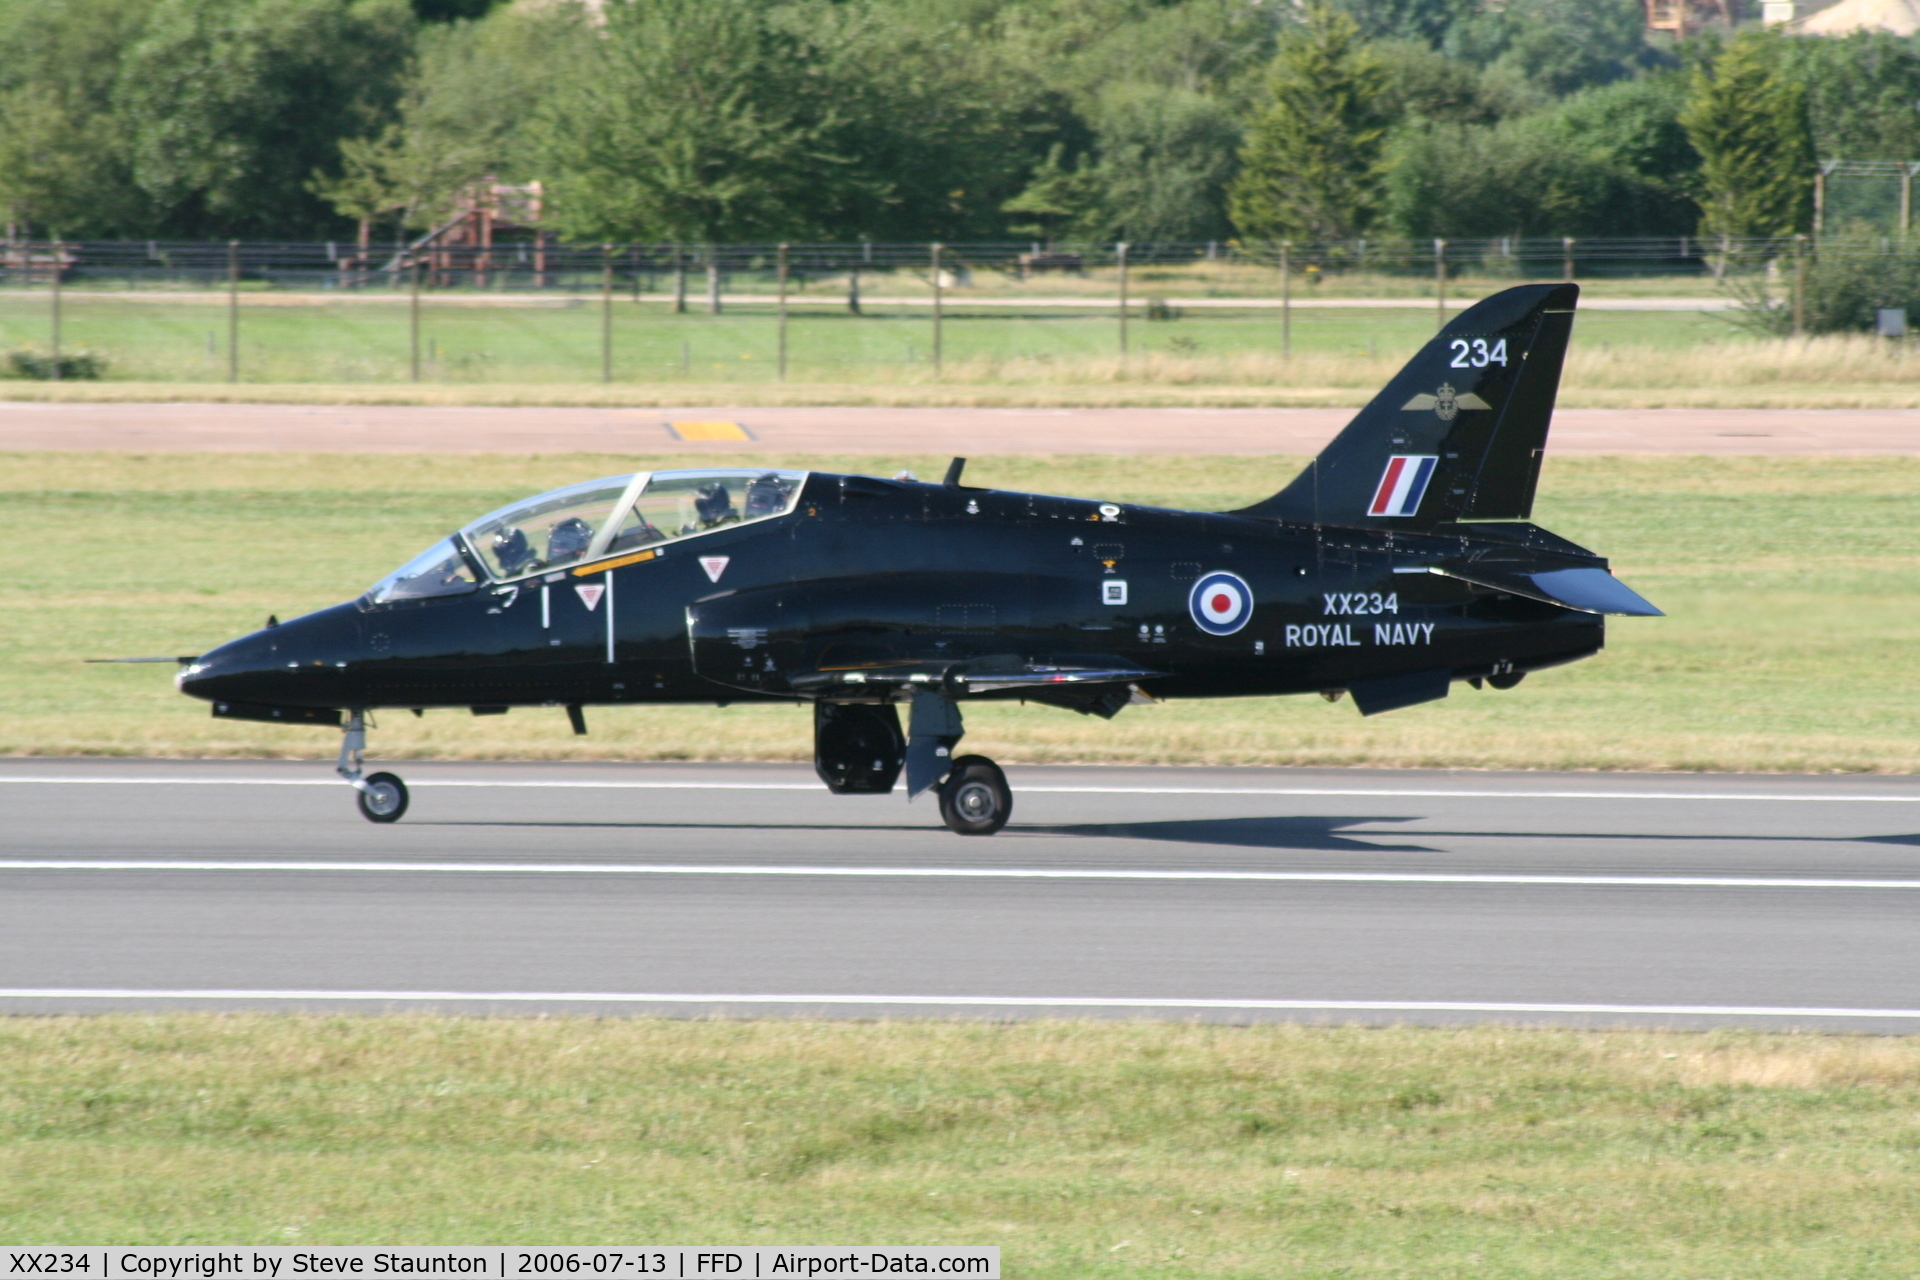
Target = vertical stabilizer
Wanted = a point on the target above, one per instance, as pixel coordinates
(1459, 432)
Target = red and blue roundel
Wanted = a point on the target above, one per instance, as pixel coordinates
(1220, 603)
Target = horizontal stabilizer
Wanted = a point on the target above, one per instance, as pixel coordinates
(1588, 588)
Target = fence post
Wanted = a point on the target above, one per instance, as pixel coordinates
(1820, 173)
(783, 313)
(679, 280)
(1566, 258)
(606, 313)
(413, 317)
(713, 281)
(937, 248)
(1440, 283)
(1906, 199)
(1286, 299)
(58, 254)
(233, 311)
(1120, 253)
(1799, 285)
(853, 289)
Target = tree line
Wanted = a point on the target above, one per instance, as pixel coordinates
(705, 121)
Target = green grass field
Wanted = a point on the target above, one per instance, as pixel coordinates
(1791, 587)
(1081, 1149)
(164, 340)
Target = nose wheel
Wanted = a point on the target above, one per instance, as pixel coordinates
(382, 796)
(975, 799)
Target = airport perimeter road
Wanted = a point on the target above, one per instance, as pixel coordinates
(944, 431)
(1167, 893)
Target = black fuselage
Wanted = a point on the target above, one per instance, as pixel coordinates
(869, 576)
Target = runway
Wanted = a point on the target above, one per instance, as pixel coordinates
(1230, 894)
(975, 432)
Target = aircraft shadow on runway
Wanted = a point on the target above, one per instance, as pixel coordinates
(1290, 832)
(1293, 831)
(1326, 833)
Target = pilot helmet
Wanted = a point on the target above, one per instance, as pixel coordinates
(569, 539)
(712, 503)
(510, 548)
(767, 495)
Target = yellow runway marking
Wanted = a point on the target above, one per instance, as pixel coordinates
(692, 431)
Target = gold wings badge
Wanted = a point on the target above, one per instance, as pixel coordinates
(1446, 402)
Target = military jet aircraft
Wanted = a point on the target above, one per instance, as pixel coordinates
(1398, 562)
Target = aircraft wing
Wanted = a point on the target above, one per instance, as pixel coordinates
(1586, 587)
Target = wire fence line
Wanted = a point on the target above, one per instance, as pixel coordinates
(1123, 282)
(543, 264)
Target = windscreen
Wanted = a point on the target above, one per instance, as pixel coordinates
(440, 570)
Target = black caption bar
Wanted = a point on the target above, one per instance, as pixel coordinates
(495, 1262)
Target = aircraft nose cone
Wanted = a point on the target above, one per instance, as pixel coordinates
(302, 662)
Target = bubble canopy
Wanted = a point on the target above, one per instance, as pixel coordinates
(592, 520)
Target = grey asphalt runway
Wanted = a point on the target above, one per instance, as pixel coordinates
(1233, 894)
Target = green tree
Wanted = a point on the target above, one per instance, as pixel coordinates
(467, 96)
(1427, 21)
(694, 120)
(64, 160)
(1554, 46)
(1060, 199)
(940, 125)
(1610, 161)
(1749, 123)
(231, 105)
(1166, 157)
(1862, 91)
(1311, 167)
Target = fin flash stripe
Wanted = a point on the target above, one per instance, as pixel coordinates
(1403, 484)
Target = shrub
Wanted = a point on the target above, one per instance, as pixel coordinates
(77, 366)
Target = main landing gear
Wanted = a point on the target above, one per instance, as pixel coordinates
(975, 799)
(858, 749)
(382, 796)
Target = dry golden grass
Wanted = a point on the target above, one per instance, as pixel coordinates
(1833, 372)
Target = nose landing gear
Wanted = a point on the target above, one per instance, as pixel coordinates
(382, 796)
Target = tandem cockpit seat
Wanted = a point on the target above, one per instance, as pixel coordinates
(621, 514)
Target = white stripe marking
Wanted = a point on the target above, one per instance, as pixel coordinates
(959, 873)
(1390, 792)
(1024, 1002)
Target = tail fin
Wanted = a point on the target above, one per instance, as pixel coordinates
(1457, 434)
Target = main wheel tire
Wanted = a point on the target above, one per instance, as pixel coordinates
(382, 796)
(975, 799)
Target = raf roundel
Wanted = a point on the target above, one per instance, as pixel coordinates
(1221, 603)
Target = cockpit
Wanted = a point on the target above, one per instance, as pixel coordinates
(595, 520)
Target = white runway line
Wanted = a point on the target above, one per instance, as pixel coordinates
(1018, 1002)
(1428, 793)
(953, 873)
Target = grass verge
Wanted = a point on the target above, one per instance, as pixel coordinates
(1791, 586)
(547, 356)
(1081, 1148)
